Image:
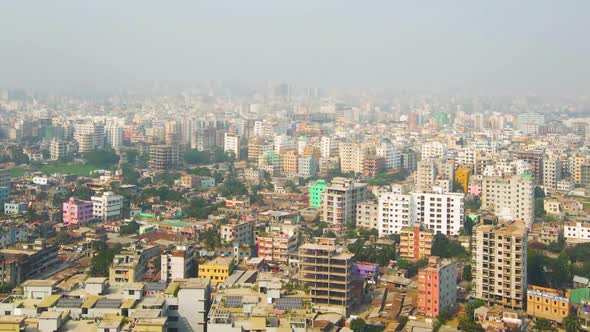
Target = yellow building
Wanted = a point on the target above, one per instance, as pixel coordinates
(289, 162)
(548, 303)
(462, 177)
(217, 270)
(12, 323)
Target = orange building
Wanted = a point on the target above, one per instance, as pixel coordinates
(415, 242)
(437, 287)
(548, 303)
(289, 161)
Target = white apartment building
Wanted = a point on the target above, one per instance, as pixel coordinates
(328, 147)
(114, 136)
(426, 173)
(367, 215)
(263, 129)
(58, 149)
(352, 157)
(434, 150)
(443, 213)
(307, 166)
(176, 263)
(390, 154)
(551, 173)
(576, 231)
(339, 201)
(239, 232)
(499, 264)
(89, 136)
(510, 198)
(232, 144)
(188, 308)
(107, 207)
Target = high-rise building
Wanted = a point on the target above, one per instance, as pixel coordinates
(352, 156)
(551, 173)
(4, 184)
(434, 150)
(188, 302)
(535, 160)
(390, 154)
(462, 177)
(415, 242)
(437, 287)
(165, 157)
(510, 198)
(232, 144)
(289, 162)
(442, 213)
(367, 215)
(176, 263)
(499, 264)
(58, 149)
(307, 166)
(90, 136)
(114, 136)
(327, 269)
(339, 201)
(425, 175)
(107, 207)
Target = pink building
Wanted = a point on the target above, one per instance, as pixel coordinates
(77, 212)
(437, 287)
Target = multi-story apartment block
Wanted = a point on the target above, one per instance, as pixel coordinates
(442, 213)
(131, 264)
(26, 261)
(89, 136)
(415, 242)
(552, 169)
(279, 242)
(437, 287)
(4, 184)
(535, 160)
(58, 149)
(339, 201)
(114, 136)
(510, 198)
(165, 157)
(548, 303)
(426, 173)
(217, 270)
(367, 215)
(352, 156)
(576, 231)
(187, 304)
(499, 264)
(390, 154)
(231, 144)
(316, 190)
(77, 212)
(238, 232)
(289, 162)
(434, 150)
(307, 166)
(177, 262)
(327, 270)
(107, 207)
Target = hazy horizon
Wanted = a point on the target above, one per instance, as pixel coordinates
(539, 46)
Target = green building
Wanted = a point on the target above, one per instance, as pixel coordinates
(315, 193)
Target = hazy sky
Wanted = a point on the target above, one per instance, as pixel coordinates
(531, 45)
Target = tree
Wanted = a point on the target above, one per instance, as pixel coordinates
(232, 186)
(358, 325)
(99, 265)
(470, 309)
(212, 239)
(196, 157)
(470, 326)
(467, 275)
(572, 323)
(62, 238)
(199, 208)
(445, 248)
(131, 228)
(104, 158)
(543, 325)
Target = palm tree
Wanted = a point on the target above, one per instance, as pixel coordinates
(572, 323)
